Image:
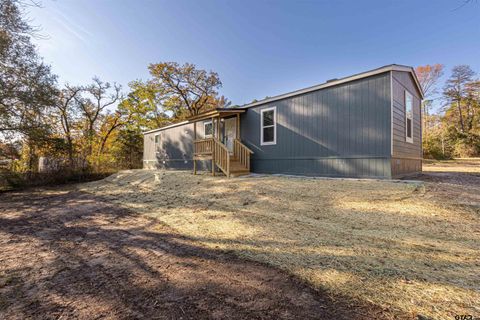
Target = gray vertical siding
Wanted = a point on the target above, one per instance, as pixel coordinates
(340, 131)
(175, 150)
(355, 129)
(406, 156)
(148, 148)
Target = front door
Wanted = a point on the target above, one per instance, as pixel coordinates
(230, 132)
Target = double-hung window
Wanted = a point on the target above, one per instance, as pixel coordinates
(268, 126)
(408, 117)
(208, 129)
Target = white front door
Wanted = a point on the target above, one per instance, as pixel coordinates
(230, 132)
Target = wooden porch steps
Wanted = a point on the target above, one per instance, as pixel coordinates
(237, 169)
(231, 164)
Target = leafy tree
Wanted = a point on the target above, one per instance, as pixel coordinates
(111, 123)
(128, 149)
(435, 145)
(186, 90)
(80, 124)
(461, 119)
(174, 93)
(90, 124)
(145, 106)
(472, 104)
(456, 131)
(10, 150)
(28, 87)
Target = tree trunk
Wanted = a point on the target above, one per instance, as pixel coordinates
(462, 126)
(31, 158)
(443, 146)
(71, 164)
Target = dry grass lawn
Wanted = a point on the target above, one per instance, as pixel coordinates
(471, 165)
(410, 248)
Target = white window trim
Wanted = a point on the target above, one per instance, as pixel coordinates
(409, 140)
(269, 143)
(204, 134)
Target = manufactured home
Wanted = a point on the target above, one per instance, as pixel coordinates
(366, 126)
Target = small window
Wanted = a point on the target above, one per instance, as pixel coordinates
(408, 117)
(208, 129)
(268, 126)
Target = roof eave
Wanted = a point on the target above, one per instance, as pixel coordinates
(166, 127)
(206, 115)
(218, 112)
(392, 67)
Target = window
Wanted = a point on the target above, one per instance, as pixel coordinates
(157, 142)
(268, 126)
(408, 117)
(208, 129)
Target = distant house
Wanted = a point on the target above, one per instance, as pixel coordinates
(365, 125)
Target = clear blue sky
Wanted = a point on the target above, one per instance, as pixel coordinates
(258, 48)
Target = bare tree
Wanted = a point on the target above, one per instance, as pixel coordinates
(455, 89)
(65, 107)
(101, 95)
(428, 77)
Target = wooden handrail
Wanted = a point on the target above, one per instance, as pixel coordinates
(244, 146)
(203, 146)
(242, 153)
(221, 157)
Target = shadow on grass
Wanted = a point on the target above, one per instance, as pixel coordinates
(70, 254)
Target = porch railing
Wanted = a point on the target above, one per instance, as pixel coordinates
(214, 149)
(203, 146)
(242, 153)
(221, 156)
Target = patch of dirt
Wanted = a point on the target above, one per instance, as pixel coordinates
(410, 248)
(68, 254)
